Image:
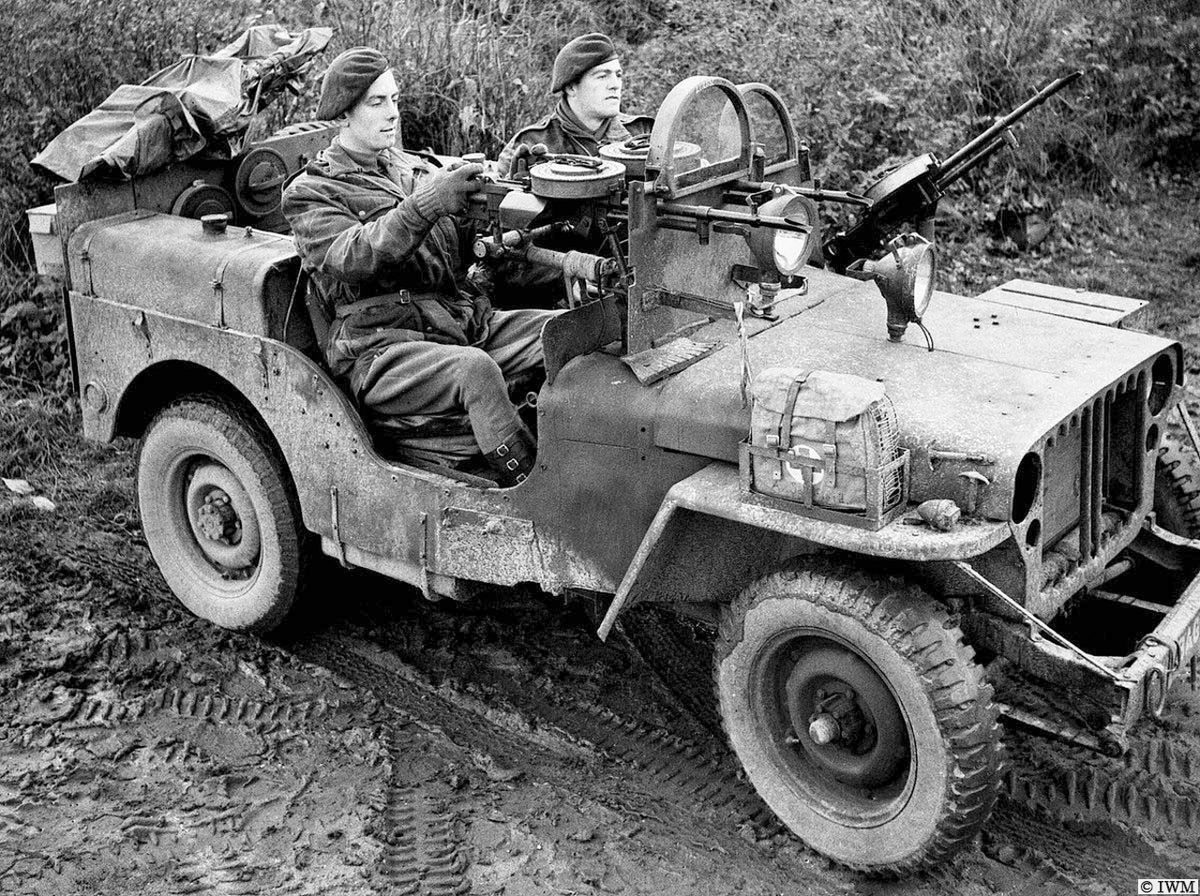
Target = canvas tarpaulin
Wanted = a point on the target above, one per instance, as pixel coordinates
(201, 103)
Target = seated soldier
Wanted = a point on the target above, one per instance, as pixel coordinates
(587, 75)
(376, 231)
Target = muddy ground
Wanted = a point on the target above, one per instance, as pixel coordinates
(382, 745)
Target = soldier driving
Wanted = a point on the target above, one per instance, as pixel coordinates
(375, 229)
(587, 75)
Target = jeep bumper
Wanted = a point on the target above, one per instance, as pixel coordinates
(1162, 655)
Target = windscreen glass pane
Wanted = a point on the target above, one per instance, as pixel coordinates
(710, 133)
(768, 127)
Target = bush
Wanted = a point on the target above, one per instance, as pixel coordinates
(33, 333)
(1147, 80)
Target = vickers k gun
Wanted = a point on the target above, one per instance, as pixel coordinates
(909, 194)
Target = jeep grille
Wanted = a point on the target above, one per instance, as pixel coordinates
(1105, 438)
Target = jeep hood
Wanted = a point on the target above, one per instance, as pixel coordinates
(1000, 378)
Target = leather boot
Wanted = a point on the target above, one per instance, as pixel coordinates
(514, 459)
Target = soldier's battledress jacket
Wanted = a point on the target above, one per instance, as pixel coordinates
(562, 132)
(388, 268)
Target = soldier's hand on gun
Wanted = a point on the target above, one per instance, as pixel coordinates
(451, 187)
(529, 155)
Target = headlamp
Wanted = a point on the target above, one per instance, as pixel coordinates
(785, 251)
(905, 276)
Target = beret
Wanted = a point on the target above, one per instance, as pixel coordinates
(347, 79)
(573, 60)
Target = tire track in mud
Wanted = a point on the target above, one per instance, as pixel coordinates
(422, 855)
(107, 710)
(707, 778)
(214, 817)
(668, 645)
(699, 779)
(122, 722)
(704, 775)
(1106, 857)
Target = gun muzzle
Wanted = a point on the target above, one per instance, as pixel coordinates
(971, 147)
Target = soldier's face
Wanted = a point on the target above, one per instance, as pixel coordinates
(597, 94)
(373, 124)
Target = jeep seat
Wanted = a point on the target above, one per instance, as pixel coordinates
(444, 440)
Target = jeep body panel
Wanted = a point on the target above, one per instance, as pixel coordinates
(976, 395)
(716, 495)
(156, 261)
(411, 522)
(389, 516)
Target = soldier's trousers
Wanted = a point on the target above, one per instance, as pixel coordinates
(427, 378)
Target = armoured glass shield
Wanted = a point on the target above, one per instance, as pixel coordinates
(770, 125)
(707, 113)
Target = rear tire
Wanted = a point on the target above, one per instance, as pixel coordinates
(859, 715)
(220, 514)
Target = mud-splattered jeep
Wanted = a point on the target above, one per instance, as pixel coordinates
(736, 421)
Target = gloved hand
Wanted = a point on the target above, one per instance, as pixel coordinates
(528, 156)
(446, 192)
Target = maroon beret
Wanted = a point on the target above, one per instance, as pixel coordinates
(347, 79)
(573, 60)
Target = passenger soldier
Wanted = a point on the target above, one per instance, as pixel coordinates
(376, 230)
(587, 76)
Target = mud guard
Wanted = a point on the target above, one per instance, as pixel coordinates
(715, 494)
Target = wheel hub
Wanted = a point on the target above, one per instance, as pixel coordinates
(841, 709)
(217, 519)
(824, 729)
(222, 519)
(845, 720)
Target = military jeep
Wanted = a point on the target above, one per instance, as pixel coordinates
(1014, 508)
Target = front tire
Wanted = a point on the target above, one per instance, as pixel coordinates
(220, 514)
(859, 715)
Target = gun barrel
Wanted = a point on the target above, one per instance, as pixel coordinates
(576, 265)
(969, 150)
(705, 213)
(947, 176)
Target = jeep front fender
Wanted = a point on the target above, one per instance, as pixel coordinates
(707, 541)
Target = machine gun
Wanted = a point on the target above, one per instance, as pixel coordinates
(910, 193)
(585, 201)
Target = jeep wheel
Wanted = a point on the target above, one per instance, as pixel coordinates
(220, 515)
(859, 715)
(1177, 492)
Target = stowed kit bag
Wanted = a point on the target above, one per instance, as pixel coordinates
(825, 439)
